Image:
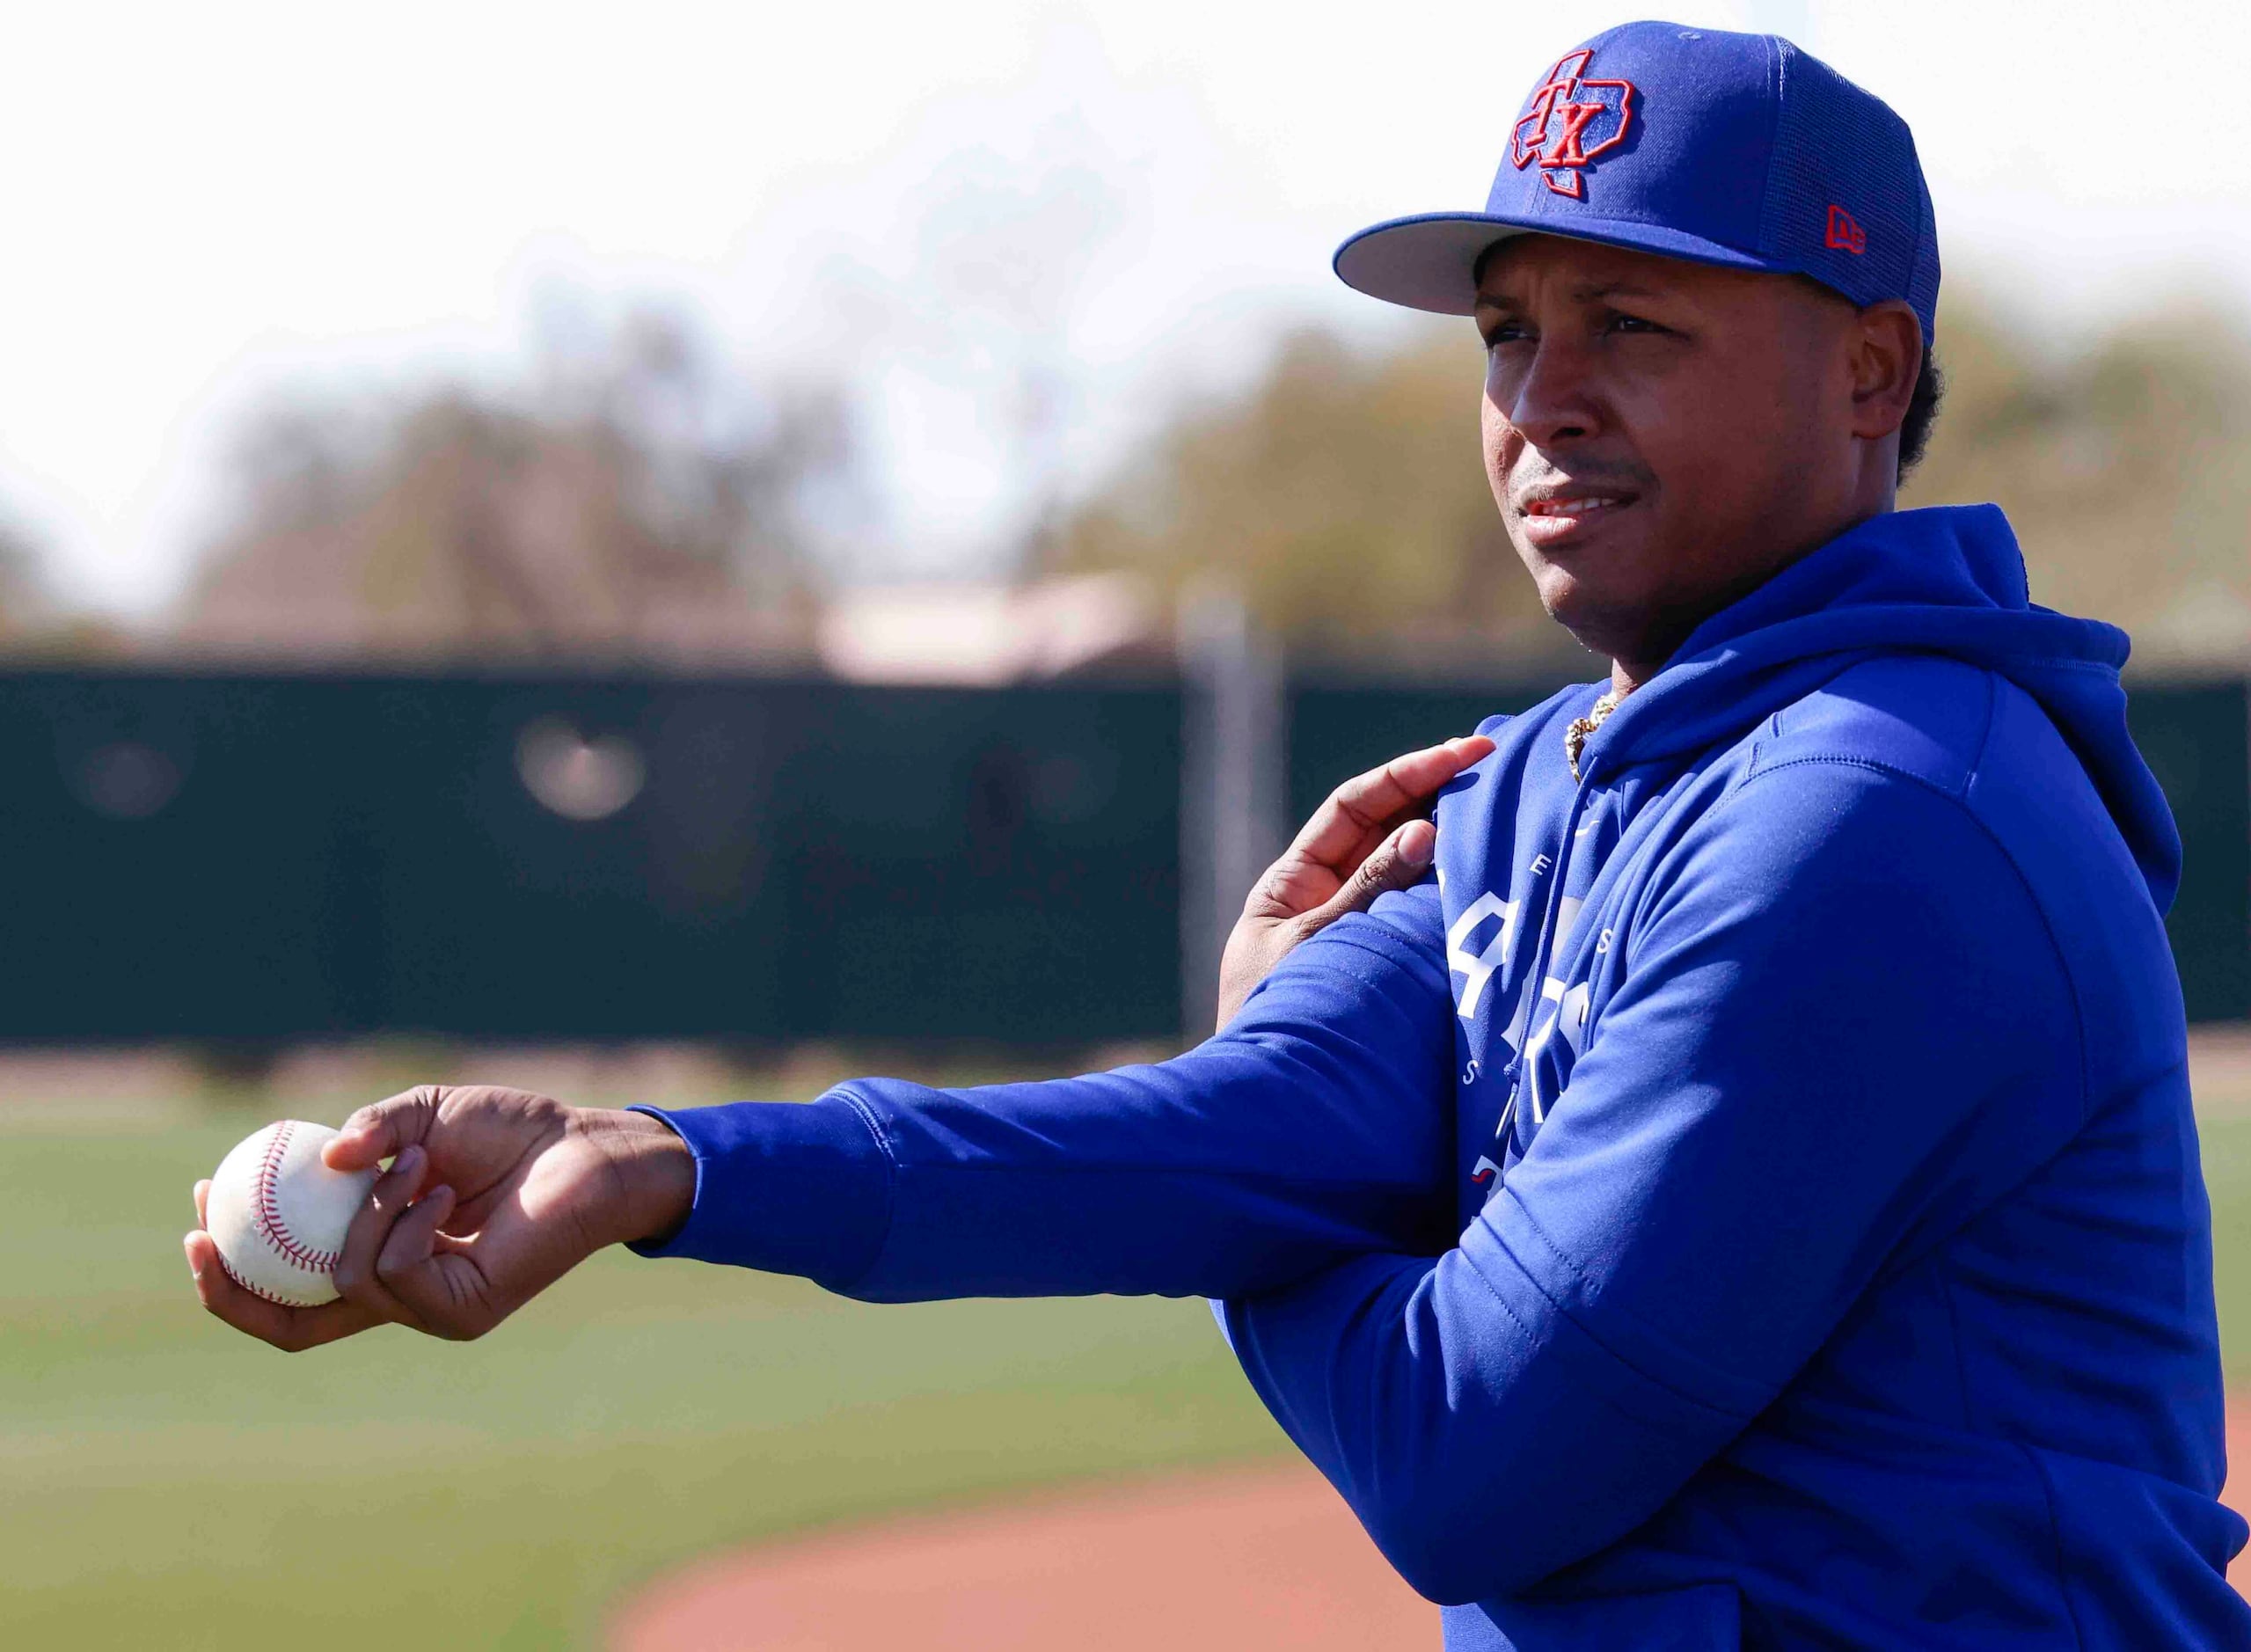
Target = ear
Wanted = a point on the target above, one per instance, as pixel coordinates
(1886, 344)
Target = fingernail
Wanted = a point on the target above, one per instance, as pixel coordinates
(408, 1161)
(441, 1191)
(1414, 848)
(187, 1244)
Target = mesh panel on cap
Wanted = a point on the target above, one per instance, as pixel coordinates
(1844, 170)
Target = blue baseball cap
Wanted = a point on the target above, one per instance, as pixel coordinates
(1736, 149)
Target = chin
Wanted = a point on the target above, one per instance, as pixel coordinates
(1604, 623)
(1566, 597)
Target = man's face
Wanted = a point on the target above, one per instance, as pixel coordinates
(1661, 436)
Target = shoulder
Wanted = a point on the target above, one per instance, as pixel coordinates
(1866, 780)
(1950, 800)
(1965, 738)
(1852, 812)
(1831, 817)
(1846, 877)
(1919, 718)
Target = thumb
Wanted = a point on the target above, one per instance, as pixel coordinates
(382, 1131)
(1398, 861)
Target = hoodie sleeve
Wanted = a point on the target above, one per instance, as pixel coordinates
(1316, 1126)
(1840, 1031)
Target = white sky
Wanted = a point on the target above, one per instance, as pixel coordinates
(209, 206)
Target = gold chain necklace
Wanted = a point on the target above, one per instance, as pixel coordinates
(1576, 733)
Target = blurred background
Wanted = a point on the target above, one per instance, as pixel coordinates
(685, 552)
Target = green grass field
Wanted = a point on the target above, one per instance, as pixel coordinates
(167, 1483)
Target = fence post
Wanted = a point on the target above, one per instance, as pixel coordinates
(1234, 780)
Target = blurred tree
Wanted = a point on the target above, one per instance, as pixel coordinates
(1003, 253)
(2125, 465)
(32, 621)
(1342, 491)
(16, 579)
(636, 500)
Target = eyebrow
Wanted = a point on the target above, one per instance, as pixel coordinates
(1586, 294)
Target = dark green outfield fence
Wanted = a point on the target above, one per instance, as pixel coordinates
(244, 857)
(234, 857)
(2197, 739)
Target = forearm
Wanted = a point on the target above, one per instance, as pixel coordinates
(949, 1194)
(1317, 1127)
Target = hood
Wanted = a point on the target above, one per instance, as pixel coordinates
(1946, 580)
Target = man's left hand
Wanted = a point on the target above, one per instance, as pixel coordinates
(1373, 834)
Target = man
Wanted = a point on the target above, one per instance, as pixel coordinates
(1747, 1195)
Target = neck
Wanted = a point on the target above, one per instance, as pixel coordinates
(1627, 675)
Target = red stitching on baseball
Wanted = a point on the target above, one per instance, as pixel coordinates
(271, 1228)
(255, 1290)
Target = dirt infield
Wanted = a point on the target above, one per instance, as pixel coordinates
(1259, 1556)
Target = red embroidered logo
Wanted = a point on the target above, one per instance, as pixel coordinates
(1845, 232)
(1569, 121)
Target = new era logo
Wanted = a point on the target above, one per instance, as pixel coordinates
(1845, 232)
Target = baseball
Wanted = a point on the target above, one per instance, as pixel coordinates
(278, 1214)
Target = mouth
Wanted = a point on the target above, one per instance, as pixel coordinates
(1556, 513)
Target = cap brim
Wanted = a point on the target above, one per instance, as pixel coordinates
(1429, 261)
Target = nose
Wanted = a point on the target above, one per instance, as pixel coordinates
(1548, 399)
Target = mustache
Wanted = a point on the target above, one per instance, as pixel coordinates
(1527, 485)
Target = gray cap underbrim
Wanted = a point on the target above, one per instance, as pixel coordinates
(1429, 261)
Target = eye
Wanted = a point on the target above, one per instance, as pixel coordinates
(1503, 332)
(1619, 321)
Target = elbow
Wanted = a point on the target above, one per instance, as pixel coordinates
(1456, 1563)
(1459, 1539)
(1442, 1580)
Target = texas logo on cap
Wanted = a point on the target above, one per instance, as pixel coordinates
(1569, 121)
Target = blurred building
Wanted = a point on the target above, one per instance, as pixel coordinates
(994, 634)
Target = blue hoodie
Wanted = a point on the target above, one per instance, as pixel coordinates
(1747, 1197)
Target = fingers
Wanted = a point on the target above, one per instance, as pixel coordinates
(1363, 806)
(1351, 824)
(358, 1278)
(1398, 862)
(1255, 946)
(1409, 853)
(291, 1330)
(202, 1203)
(1408, 782)
(379, 1132)
(414, 1273)
(398, 1266)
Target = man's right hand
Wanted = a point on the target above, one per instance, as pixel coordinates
(492, 1195)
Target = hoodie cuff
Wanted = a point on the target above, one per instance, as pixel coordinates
(783, 1187)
